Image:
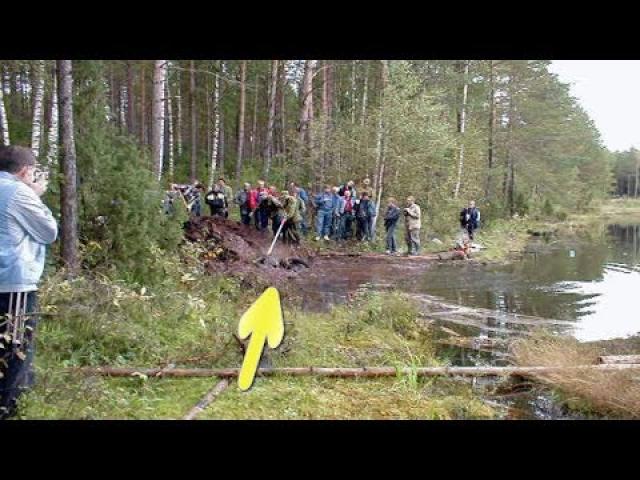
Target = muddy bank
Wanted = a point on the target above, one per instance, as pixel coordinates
(231, 248)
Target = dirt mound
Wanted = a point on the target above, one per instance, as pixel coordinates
(233, 248)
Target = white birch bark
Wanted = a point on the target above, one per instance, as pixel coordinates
(157, 125)
(124, 107)
(52, 141)
(216, 132)
(463, 112)
(170, 146)
(4, 123)
(36, 124)
(179, 117)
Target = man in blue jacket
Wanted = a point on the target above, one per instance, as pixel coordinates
(324, 204)
(26, 227)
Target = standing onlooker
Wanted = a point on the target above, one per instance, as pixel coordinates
(217, 202)
(348, 216)
(261, 215)
(470, 219)
(272, 208)
(364, 212)
(227, 192)
(246, 203)
(350, 187)
(26, 228)
(303, 198)
(323, 203)
(338, 211)
(412, 217)
(391, 218)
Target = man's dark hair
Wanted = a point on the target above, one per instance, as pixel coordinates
(13, 158)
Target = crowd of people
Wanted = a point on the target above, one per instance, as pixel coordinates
(337, 213)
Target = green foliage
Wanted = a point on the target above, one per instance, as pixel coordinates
(122, 221)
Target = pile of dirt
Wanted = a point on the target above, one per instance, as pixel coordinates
(232, 248)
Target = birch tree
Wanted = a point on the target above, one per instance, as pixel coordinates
(170, 128)
(179, 132)
(194, 122)
(380, 158)
(215, 140)
(268, 146)
(158, 110)
(52, 141)
(68, 187)
(463, 112)
(36, 124)
(4, 122)
(241, 115)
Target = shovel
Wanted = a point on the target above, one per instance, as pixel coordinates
(275, 239)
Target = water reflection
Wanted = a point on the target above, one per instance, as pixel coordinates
(597, 285)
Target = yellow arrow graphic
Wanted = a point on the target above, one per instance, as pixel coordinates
(262, 321)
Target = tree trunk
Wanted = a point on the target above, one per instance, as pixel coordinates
(492, 125)
(354, 66)
(157, 127)
(131, 110)
(380, 157)
(637, 184)
(194, 125)
(463, 113)
(241, 114)
(254, 124)
(179, 133)
(268, 146)
(36, 124)
(215, 138)
(207, 399)
(143, 105)
(170, 132)
(4, 122)
(353, 372)
(619, 359)
(52, 155)
(365, 90)
(306, 95)
(281, 102)
(68, 187)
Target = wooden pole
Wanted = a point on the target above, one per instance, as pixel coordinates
(339, 372)
(619, 359)
(207, 399)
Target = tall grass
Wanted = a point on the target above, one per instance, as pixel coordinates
(610, 393)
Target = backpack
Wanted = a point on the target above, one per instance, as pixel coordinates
(215, 200)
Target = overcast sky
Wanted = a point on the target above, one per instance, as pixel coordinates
(609, 90)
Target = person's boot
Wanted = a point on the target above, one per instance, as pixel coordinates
(326, 237)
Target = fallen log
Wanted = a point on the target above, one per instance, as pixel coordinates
(349, 372)
(619, 359)
(381, 256)
(207, 399)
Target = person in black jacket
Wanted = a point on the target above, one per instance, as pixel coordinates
(391, 218)
(217, 201)
(470, 219)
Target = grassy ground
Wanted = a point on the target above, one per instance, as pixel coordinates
(190, 323)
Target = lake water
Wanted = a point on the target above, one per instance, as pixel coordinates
(593, 280)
